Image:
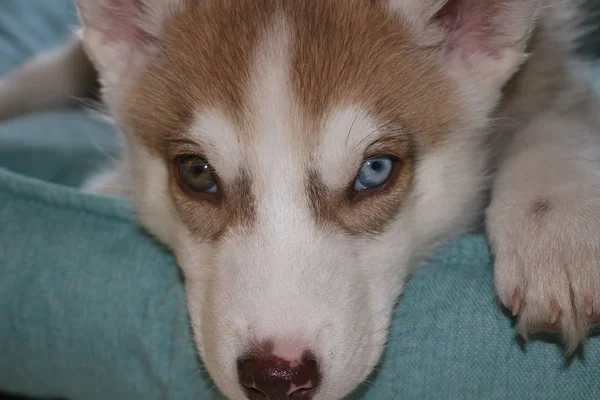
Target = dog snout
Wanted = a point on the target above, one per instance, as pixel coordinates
(267, 376)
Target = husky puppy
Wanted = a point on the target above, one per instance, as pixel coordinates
(300, 158)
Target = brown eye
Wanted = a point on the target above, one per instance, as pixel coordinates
(196, 174)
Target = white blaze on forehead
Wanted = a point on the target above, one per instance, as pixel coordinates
(266, 152)
(219, 142)
(346, 134)
(277, 168)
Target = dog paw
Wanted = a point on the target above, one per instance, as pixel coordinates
(547, 266)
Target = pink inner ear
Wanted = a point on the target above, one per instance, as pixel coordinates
(470, 24)
(121, 22)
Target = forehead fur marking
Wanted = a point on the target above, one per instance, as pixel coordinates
(344, 52)
(354, 52)
(204, 63)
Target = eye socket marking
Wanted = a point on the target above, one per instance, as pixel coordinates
(196, 177)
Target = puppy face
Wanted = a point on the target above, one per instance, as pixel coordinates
(299, 158)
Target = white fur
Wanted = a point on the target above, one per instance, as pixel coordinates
(551, 256)
(282, 281)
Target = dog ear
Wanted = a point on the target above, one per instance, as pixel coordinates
(486, 37)
(119, 33)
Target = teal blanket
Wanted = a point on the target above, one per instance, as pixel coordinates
(91, 308)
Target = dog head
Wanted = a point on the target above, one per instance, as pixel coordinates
(299, 157)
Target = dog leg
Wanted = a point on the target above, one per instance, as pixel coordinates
(544, 227)
(51, 80)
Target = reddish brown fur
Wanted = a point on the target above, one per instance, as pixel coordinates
(344, 53)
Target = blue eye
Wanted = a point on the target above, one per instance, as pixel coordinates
(197, 175)
(374, 173)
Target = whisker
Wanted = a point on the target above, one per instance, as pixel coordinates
(368, 136)
(99, 113)
(351, 127)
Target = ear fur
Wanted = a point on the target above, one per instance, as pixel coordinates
(486, 37)
(117, 33)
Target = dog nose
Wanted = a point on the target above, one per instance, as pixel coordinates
(269, 377)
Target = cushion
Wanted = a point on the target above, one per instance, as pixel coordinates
(92, 308)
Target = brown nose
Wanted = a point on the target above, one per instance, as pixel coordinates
(268, 377)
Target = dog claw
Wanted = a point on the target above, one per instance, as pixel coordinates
(555, 314)
(517, 300)
(589, 308)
